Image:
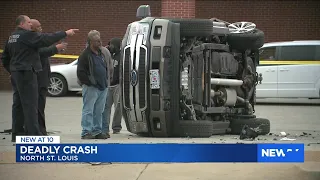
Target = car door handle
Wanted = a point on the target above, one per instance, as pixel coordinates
(270, 70)
(282, 70)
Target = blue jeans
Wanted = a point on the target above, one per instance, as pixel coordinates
(94, 102)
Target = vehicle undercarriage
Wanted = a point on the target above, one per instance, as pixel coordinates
(208, 79)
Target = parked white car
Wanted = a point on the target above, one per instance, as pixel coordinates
(63, 79)
(289, 70)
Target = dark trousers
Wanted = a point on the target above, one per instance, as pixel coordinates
(25, 104)
(43, 82)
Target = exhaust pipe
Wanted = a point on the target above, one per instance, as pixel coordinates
(226, 82)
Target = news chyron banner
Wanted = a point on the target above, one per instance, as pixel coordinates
(49, 149)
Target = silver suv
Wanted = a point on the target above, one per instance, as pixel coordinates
(189, 77)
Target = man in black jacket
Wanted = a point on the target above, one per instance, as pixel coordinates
(113, 90)
(21, 59)
(43, 76)
(93, 73)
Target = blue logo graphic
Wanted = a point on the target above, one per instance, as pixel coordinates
(134, 77)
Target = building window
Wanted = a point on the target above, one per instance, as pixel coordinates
(298, 53)
(268, 54)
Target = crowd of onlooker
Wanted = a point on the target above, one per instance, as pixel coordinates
(26, 58)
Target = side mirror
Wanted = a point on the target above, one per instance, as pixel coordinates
(143, 11)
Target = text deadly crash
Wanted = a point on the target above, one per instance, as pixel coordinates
(75, 150)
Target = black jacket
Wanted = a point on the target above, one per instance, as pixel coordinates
(21, 51)
(44, 75)
(115, 51)
(86, 68)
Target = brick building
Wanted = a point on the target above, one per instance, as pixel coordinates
(280, 20)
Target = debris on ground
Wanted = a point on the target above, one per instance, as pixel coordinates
(283, 134)
(3, 138)
(249, 133)
(270, 134)
(304, 133)
(98, 163)
(287, 139)
(6, 131)
(312, 143)
(275, 139)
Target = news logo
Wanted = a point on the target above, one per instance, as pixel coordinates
(280, 152)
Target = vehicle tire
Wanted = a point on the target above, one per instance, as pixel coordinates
(196, 129)
(244, 41)
(220, 127)
(236, 125)
(57, 86)
(194, 27)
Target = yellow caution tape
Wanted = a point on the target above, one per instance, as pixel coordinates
(288, 62)
(64, 56)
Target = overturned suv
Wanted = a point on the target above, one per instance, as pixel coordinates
(190, 77)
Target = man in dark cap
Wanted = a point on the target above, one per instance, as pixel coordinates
(113, 91)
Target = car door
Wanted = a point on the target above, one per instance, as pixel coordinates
(269, 70)
(297, 74)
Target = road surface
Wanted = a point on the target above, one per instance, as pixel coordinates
(300, 121)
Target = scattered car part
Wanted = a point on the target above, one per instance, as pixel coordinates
(248, 133)
(237, 124)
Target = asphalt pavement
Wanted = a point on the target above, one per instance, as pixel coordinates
(300, 119)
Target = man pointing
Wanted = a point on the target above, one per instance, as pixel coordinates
(21, 59)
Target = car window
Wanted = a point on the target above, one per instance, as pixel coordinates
(317, 53)
(268, 54)
(298, 53)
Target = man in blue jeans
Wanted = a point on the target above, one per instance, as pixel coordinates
(93, 73)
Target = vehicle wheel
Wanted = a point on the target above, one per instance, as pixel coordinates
(236, 125)
(220, 127)
(243, 41)
(57, 86)
(189, 128)
(194, 27)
